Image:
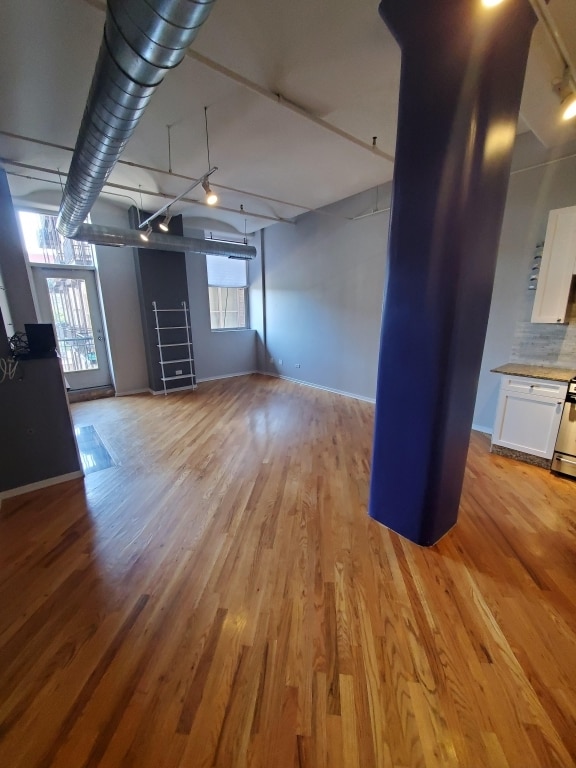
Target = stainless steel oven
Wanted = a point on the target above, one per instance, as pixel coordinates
(564, 460)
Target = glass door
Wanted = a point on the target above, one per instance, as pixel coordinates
(68, 298)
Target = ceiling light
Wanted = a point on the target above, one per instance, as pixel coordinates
(491, 3)
(211, 197)
(145, 235)
(569, 107)
(165, 224)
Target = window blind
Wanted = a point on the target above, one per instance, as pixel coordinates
(226, 273)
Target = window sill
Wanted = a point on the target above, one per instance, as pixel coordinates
(232, 330)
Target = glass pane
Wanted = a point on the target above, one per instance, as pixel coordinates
(227, 307)
(73, 323)
(45, 245)
(226, 273)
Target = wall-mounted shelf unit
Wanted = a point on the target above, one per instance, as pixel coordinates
(175, 348)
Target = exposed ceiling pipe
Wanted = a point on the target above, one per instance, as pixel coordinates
(116, 236)
(142, 40)
(278, 98)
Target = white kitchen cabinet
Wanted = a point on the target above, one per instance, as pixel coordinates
(528, 415)
(558, 266)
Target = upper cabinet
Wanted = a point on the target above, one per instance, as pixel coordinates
(558, 266)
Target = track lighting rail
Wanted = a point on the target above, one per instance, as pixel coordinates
(160, 211)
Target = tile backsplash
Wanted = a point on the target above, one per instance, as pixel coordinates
(542, 343)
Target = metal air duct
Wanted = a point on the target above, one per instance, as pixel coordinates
(99, 235)
(142, 40)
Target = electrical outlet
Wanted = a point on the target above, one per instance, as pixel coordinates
(298, 365)
(279, 361)
(179, 373)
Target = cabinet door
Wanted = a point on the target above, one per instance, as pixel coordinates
(527, 423)
(558, 263)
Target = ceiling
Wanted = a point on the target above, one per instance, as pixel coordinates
(295, 93)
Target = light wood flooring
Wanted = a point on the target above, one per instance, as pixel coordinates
(221, 598)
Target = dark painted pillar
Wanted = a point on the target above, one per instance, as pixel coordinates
(4, 346)
(160, 277)
(462, 75)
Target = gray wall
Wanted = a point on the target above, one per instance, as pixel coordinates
(17, 298)
(226, 353)
(5, 332)
(322, 286)
(36, 440)
(323, 301)
(324, 282)
(7, 325)
(531, 195)
(121, 308)
(118, 296)
(217, 353)
(256, 293)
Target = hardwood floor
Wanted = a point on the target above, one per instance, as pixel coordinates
(221, 598)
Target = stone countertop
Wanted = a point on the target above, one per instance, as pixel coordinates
(536, 371)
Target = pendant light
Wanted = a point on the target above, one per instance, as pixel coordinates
(211, 196)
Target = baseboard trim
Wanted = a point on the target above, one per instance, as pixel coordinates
(480, 428)
(169, 391)
(227, 376)
(364, 399)
(40, 484)
(143, 391)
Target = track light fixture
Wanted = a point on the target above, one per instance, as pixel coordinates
(211, 196)
(165, 223)
(565, 87)
(203, 181)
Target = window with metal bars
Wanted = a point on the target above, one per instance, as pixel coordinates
(227, 293)
(45, 245)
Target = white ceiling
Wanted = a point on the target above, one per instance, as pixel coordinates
(335, 60)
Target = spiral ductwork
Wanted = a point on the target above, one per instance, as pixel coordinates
(142, 40)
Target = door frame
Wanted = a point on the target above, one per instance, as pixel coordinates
(88, 379)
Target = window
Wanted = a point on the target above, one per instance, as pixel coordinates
(227, 292)
(45, 245)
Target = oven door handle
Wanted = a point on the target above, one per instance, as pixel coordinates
(566, 461)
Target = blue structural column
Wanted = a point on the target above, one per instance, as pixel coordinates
(462, 74)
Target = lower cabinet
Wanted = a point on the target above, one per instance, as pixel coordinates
(528, 415)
